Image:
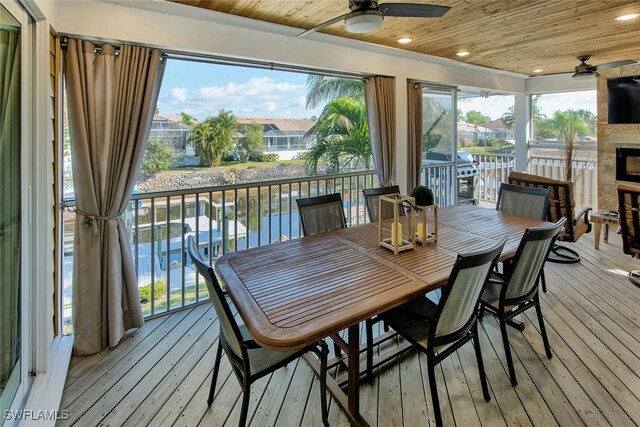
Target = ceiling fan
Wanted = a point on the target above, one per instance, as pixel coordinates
(366, 16)
(586, 71)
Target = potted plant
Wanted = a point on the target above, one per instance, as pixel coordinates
(423, 195)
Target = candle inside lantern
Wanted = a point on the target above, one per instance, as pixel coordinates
(396, 235)
(421, 233)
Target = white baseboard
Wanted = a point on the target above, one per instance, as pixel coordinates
(45, 395)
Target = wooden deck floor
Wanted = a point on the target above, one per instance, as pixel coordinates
(160, 374)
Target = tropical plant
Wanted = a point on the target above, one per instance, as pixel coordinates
(342, 137)
(187, 119)
(326, 88)
(476, 118)
(569, 125)
(251, 140)
(537, 117)
(214, 137)
(158, 156)
(430, 139)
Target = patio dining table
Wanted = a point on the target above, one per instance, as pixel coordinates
(294, 293)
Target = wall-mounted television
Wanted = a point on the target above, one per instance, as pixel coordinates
(624, 100)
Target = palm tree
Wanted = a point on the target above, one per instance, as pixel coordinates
(214, 137)
(325, 88)
(508, 118)
(342, 137)
(187, 119)
(569, 125)
(476, 118)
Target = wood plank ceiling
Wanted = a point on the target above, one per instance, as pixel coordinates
(512, 35)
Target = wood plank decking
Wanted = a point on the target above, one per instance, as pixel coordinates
(160, 374)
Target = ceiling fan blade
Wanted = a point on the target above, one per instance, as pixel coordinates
(614, 64)
(323, 25)
(413, 10)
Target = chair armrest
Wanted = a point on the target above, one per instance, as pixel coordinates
(584, 212)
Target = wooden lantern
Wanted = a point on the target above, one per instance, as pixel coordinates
(424, 215)
(399, 240)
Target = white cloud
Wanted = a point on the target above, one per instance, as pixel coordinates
(259, 96)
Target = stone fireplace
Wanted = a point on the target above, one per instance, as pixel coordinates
(612, 137)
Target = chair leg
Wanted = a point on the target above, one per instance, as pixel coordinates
(507, 350)
(324, 354)
(483, 377)
(246, 395)
(369, 327)
(543, 330)
(481, 312)
(434, 389)
(214, 377)
(543, 281)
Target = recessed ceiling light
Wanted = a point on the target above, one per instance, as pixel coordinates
(538, 70)
(463, 53)
(405, 40)
(627, 17)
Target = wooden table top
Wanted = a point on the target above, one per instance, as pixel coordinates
(293, 293)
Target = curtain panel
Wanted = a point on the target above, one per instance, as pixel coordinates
(380, 98)
(414, 133)
(111, 100)
(9, 202)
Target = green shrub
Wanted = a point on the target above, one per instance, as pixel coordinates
(158, 156)
(262, 157)
(159, 290)
(423, 195)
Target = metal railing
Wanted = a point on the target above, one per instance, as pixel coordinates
(220, 219)
(584, 176)
(440, 178)
(495, 168)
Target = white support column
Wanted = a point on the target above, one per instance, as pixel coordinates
(522, 128)
(402, 148)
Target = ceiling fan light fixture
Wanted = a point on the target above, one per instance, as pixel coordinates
(366, 21)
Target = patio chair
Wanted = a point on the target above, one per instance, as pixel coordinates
(518, 200)
(371, 198)
(524, 201)
(452, 322)
(321, 214)
(249, 360)
(518, 289)
(561, 205)
(628, 205)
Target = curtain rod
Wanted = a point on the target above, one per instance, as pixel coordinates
(217, 59)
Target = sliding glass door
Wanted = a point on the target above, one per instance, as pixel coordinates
(439, 157)
(10, 209)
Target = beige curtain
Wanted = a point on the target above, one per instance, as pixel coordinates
(414, 133)
(111, 101)
(9, 202)
(380, 98)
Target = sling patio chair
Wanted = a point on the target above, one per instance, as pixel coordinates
(530, 202)
(249, 360)
(440, 329)
(371, 198)
(321, 214)
(561, 205)
(518, 289)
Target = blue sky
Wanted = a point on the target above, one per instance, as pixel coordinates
(202, 89)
